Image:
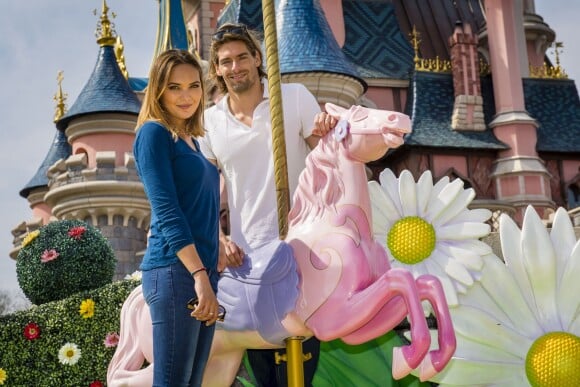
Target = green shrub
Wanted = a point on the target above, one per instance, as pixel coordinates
(31, 339)
(63, 258)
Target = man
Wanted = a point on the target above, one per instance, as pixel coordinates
(239, 142)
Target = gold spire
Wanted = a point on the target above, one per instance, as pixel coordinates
(60, 98)
(415, 41)
(105, 32)
(119, 49)
(553, 72)
(436, 65)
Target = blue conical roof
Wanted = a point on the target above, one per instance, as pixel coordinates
(107, 91)
(306, 42)
(59, 149)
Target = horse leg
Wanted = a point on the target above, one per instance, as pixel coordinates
(393, 295)
(223, 363)
(430, 289)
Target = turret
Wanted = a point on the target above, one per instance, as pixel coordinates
(98, 183)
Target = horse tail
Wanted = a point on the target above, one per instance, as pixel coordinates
(135, 345)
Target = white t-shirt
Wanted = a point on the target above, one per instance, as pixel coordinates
(245, 156)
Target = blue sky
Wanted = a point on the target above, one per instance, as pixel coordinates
(41, 37)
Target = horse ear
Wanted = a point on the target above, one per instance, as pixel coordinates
(334, 110)
(359, 113)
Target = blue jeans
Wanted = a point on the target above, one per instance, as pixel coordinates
(181, 344)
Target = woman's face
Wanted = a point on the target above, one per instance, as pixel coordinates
(182, 95)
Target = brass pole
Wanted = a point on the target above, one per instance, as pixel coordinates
(277, 116)
(294, 356)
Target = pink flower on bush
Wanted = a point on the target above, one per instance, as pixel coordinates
(49, 255)
(111, 340)
(77, 232)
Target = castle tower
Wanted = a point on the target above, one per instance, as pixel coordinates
(172, 32)
(98, 183)
(520, 176)
(309, 54)
(468, 104)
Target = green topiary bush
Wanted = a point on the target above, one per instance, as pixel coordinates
(63, 258)
(32, 342)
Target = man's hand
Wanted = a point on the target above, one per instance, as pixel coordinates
(323, 123)
(230, 254)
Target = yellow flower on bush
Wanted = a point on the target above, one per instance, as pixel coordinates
(87, 309)
(2, 376)
(30, 237)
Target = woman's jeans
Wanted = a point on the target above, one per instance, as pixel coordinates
(181, 343)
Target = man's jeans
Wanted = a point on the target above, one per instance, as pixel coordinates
(181, 343)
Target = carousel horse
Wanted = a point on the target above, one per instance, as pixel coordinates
(328, 277)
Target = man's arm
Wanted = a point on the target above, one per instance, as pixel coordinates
(230, 254)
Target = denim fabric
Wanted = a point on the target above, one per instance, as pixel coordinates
(181, 343)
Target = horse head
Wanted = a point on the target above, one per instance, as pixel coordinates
(369, 133)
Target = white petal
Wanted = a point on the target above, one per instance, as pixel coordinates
(563, 237)
(477, 247)
(408, 193)
(424, 187)
(478, 297)
(437, 204)
(482, 328)
(574, 327)
(383, 211)
(456, 207)
(470, 259)
(500, 285)
(390, 185)
(438, 187)
(462, 373)
(510, 238)
(568, 299)
(462, 231)
(540, 262)
(467, 348)
(458, 272)
(434, 267)
(476, 215)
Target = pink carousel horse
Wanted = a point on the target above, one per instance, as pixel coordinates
(327, 278)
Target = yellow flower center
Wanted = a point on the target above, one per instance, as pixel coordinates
(411, 240)
(70, 353)
(554, 360)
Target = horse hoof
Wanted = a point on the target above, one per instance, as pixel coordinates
(427, 369)
(400, 367)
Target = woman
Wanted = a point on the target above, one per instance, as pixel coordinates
(183, 190)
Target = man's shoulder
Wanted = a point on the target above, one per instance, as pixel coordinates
(295, 86)
(214, 114)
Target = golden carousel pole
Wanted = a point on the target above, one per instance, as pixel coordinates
(294, 355)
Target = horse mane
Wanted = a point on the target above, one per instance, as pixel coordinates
(320, 184)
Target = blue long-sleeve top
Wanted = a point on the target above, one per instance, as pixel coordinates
(183, 190)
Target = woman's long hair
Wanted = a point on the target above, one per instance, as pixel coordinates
(151, 109)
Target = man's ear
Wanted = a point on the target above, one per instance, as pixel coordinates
(258, 59)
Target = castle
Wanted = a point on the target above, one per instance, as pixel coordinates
(475, 80)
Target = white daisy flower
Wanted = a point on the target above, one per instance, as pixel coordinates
(135, 276)
(428, 229)
(520, 325)
(69, 354)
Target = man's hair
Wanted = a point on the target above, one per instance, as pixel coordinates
(231, 32)
(151, 109)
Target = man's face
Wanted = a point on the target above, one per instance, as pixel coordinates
(237, 66)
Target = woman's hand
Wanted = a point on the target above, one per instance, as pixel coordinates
(207, 306)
